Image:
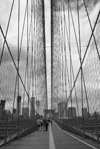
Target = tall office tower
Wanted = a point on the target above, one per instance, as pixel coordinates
(32, 107)
(25, 112)
(62, 111)
(85, 112)
(71, 112)
(18, 109)
(2, 108)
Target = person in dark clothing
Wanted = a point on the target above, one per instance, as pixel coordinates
(46, 125)
(51, 122)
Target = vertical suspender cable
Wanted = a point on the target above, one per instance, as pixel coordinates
(52, 53)
(18, 58)
(45, 64)
(70, 53)
(18, 38)
(81, 90)
(27, 53)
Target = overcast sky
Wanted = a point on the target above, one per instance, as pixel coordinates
(93, 7)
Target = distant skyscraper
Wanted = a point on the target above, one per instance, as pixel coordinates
(14, 112)
(85, 112)
(25, 112)
(2, 108)
(62, 111)
(18, 110)
(32, 107)
(71, 112)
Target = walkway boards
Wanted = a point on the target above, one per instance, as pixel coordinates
(36, 140)
(55, 138)
(65, 140)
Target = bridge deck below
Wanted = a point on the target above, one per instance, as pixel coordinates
(55, 138)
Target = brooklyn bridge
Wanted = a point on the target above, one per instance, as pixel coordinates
(49, 74)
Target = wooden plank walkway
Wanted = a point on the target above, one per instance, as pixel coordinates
(55, 138)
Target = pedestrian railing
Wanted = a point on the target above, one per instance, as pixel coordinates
(84, 127)
(10, 130)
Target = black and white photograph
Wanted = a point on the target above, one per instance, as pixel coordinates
(50, 74)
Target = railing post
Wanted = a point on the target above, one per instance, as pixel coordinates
(18, 114)
(5, 139)
(83, 126)
(97, 131)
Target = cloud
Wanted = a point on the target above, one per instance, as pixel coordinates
(73, 3)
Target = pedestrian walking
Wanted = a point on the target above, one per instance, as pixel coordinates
(46, 125)
(38, 123)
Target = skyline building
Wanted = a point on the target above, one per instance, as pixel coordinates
(71, 112)
(32, 107)
(25, 112)
(62, 110)
(18, 109)
(2, 108)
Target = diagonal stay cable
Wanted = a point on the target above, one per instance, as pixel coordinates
(92, 29)
(68, 43)
(14, 63)
(79, 54)
(21, 46)
(83, 58)
(7, 31)
(13, 60)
